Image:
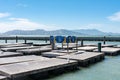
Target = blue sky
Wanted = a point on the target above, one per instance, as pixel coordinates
(103, 15)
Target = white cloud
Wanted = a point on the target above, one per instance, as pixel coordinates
(18, 19)
(2, 15)
(115, 17)
(24, 24)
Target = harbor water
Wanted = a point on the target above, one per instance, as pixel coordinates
(108, 69)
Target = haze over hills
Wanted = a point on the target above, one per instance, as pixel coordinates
(60, 32)
(42, 32)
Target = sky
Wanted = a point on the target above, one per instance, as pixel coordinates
(103, 15)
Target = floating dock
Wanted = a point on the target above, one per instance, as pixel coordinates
(117, 46)
(13, 45)
(56, 53)
(3, 77)
(87, 48)
(85, 58)
(18, 70)
(20, 59)
(52, 54)
(13, 49)
(9, 54)
(103, 45)
(110, 51)
(34, 51)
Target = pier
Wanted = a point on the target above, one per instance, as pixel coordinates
(87, 48)
(46, 39)
(22, 60)
(14, 71)
(110, 51)
(9, 54)
(3, 77)
(85, 58)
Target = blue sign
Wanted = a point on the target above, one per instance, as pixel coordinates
(59, 39)
(73, 39)
(52, 39)
(68, 39)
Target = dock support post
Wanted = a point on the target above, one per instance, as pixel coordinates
(81, 42)
(67, 47)
(53, 45)
(5, 40)
(16, 39)
(46, 41)
(76, 45)
(99, 47)
(104, 41)
(25, 41)
(62, 45)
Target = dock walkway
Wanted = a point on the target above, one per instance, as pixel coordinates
(3, 77)
(85, 58)
(87, 48)
(56, 53)
(11, 60)
(110, 51)
(9, 54)
(34, 50)
(18, 70)
(13, 49)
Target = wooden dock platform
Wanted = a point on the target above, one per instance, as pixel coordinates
(13, 45)
(85, 58)
(110, 51)
(117, 46)
(55, 53)
(52, 54)
(33, 51)
(14, 71)
(103, 45)
(66, 51)
(11, 60)
(13, 49)
(87, 48)
(3, 77)
(9, 54)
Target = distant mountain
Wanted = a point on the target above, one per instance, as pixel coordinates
(90, 31)
(81, 32)
(95, 32)
(42, 32)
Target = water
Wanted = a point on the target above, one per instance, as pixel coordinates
(108, 69)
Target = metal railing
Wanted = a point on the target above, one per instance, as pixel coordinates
(104, 39)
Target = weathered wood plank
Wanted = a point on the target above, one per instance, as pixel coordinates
(81, 57)
(34, 51)
(87, 48)
(11, 60)
(13, 45)
(110, 50)
(32, 67)
(3, 77)
(13, 49)
(103, 45)
(9, 54)
(85, 58)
